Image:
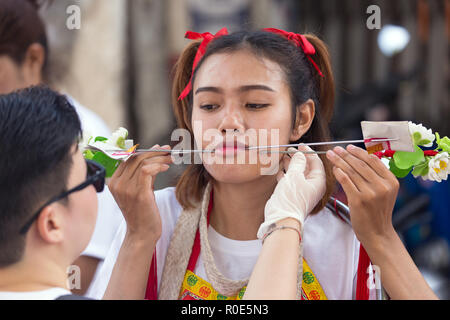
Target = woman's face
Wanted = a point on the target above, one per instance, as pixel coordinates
(246, 101)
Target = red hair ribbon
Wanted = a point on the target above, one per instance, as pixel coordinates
(207, 38)
(301, 42)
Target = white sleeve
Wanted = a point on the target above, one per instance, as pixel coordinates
(169, 210)
(109, 218)
(100, 283)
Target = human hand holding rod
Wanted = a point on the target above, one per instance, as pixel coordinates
(371, 191)
(132, 186)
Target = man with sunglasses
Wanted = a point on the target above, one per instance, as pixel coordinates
(48, 201)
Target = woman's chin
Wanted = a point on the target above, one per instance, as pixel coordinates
(234, 173)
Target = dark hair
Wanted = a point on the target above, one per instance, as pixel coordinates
(303, 80)
(20, 27)
(38, 128)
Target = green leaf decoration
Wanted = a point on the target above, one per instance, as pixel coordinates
(417, 137)
(88, 154)
(404, 160)
(100, 139)
(421, 169)
(423, 142)
(109, 164)
(444, 143)
(399, 173)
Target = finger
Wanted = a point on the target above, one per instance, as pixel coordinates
(359, 165)
(147, 174)
(137, 162)
(314, 166)
(339, 162)
(157, 160)
(124, 165)
(386, 182)
(373, 161)
(297, 163)
(347, 184)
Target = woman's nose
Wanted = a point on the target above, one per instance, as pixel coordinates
(232, 121)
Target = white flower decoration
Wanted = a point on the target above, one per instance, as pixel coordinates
(118, 138)
(438, 167)
(421, 134)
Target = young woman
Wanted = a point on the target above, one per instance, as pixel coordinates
(202, 239)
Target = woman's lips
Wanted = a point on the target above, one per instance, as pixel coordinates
(229, 149)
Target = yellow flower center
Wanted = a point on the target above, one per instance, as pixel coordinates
(442, 166)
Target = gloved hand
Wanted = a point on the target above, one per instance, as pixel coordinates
(298, 191)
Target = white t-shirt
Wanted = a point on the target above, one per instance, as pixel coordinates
(49, 294)
(109, 216)
(330, 247)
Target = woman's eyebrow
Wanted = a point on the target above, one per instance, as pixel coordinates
(255, 87)
(241, 89)
(210, 89)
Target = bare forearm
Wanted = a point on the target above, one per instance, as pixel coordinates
(129, 277)
(399, 275)
(275, 272)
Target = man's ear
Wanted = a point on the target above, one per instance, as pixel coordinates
(49, 224)
(33, 64)
(303, 119)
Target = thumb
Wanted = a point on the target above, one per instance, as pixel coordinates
(315, 168)
(297, 164)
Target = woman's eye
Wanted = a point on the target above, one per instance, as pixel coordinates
(209, 107)
(257, 105)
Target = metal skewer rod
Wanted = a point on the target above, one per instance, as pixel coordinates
(173, 151)
(181, 151)
(319, 143)
(212, 151)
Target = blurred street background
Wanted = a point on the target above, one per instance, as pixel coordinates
(119, 64)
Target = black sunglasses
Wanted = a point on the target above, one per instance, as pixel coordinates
(95, 176)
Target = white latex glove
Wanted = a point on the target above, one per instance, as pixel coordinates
(297, 192)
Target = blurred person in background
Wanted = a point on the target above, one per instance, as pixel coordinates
(24, 62)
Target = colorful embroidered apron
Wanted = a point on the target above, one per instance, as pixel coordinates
(196, 288)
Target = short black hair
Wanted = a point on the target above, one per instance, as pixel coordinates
(38, 129)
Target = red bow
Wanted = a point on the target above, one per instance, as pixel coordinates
(300, 41)
(207, 38)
